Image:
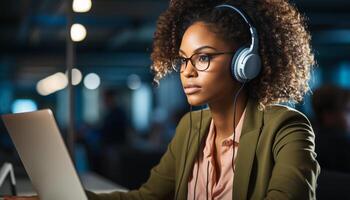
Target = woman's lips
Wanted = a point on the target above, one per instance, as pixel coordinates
(191, 89)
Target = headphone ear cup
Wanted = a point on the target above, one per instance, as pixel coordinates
(235, 63)
(251, 66)
(245, 65)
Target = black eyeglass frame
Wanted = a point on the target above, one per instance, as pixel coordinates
(210, 56)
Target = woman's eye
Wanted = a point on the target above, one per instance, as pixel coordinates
(203, 58)
(183, 60)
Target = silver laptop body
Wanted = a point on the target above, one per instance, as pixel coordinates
(44, 155)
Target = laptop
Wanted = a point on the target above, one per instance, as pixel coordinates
(44, 155)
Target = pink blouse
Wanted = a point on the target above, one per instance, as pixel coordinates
(207, 187)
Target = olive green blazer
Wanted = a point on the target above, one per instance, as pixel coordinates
(275, 159)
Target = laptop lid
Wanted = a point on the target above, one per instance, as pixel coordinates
(44, 155)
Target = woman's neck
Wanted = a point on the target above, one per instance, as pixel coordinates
(222, 114)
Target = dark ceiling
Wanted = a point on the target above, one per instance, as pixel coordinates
(32, 35)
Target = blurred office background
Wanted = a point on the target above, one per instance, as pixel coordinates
(122, 122)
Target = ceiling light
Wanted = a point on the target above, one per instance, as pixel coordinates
(92, 81)
(78, 32)
(81, 6)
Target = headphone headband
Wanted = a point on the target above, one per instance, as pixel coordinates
(254, 35)
(246, 63)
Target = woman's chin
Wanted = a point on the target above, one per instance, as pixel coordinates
(196, 101)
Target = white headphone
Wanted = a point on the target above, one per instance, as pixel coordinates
(246, 63)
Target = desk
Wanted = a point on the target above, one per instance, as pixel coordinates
(91, 181)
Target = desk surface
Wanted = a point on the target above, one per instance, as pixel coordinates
(91, 181)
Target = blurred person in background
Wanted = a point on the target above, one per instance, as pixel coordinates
(331, 106)
(113, 136)
(114, 127)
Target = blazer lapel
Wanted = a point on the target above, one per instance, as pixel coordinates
(246, 150)
(245, 155)
(193, 149)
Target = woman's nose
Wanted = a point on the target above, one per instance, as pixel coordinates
(189, 70)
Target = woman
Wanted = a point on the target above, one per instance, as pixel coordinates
(244, 146)
(274, 156)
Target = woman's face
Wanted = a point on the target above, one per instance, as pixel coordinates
(215, 84)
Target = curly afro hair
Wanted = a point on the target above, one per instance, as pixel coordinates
(284, 43)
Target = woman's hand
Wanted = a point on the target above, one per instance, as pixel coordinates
(21, 198)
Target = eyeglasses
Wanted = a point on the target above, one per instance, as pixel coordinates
(200, 61)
